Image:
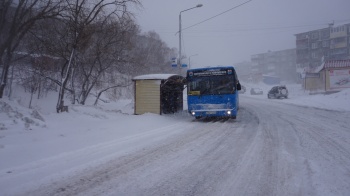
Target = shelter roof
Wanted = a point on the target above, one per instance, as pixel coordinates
(337, 63)
(154, 76)
(330, 64)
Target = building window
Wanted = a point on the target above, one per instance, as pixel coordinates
(302, 36)
(326, 54)
(314, 45)
(325, 34)
(325, 44)
(339, 40)
(338, 51)
(339, 29)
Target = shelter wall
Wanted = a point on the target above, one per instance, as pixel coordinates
(147, 93)
(314, 84)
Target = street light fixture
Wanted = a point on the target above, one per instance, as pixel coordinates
(179, 61)
(189, 60)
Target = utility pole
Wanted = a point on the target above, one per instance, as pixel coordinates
(180, 54)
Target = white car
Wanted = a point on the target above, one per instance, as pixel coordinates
(256, 91)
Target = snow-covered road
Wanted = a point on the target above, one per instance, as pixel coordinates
(272, 148)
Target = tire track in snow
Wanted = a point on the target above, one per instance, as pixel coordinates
(268, 150)
(78, 159)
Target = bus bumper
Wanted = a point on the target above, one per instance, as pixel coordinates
(227, 113)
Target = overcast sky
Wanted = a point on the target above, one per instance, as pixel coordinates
(253, 28)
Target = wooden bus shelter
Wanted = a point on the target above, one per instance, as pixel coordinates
(158, 93)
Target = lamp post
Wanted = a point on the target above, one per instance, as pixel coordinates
(189, 60)
(179, 61)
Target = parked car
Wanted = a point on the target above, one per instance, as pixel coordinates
(278, 92)
(256, 91)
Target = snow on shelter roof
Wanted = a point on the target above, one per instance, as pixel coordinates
(337, 63)
(154, 77)
(331, 64)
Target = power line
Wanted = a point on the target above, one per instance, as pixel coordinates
(217, 15)
(274, 27)
(254, 29)
(264, 28)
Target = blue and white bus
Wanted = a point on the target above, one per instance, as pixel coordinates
(213, 92)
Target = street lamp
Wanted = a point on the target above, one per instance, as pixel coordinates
(189, 60)
(179, 62)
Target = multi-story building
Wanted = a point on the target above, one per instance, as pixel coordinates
(340, 42)
(243, 70)
(279, 64)
(314, 47)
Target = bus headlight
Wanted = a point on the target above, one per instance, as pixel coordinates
(229, 112)
(193, 113)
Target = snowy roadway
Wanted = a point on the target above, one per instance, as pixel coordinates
(272, 148)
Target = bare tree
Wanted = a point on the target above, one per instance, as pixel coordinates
(81, 17)
(108, 53)
(16, 19)
(151, 54)
(96, 41)
(30, 82)
(72, 36)
(108, 88)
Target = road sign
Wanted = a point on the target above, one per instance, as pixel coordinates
(174, 62)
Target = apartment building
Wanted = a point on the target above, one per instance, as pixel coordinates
(279, 64)
(317, 46)
(243, 70)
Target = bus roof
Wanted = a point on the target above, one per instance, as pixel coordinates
(212, 68)
(154, 77)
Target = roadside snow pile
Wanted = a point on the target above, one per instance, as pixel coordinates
(123, 106)
(344, 94)
(297, 95)
(12, 115)
(103, 110)
(336, 101)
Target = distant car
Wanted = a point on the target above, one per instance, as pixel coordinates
(243, 89)
(278, 92)
(256, 91)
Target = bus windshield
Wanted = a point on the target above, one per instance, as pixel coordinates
(211, 85)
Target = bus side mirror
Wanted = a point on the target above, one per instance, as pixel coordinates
(239, 86)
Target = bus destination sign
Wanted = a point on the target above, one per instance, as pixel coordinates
(215, 72)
